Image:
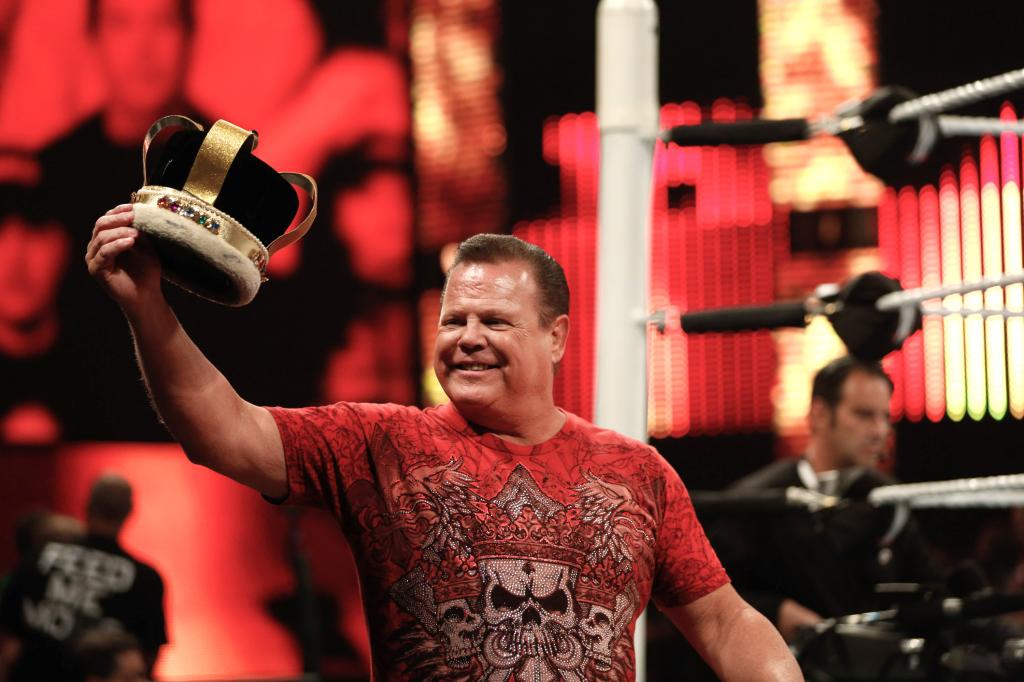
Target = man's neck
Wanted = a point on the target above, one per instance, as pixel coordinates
(103, 528)
(819, 458)
(525, 429)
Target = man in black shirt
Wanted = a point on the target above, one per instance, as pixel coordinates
(142, 49)
(797, 568)
(67, 588)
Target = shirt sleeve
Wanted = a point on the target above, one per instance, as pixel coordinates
(686, 566)
(328, 450)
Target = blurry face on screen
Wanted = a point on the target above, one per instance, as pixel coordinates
(32, 262)
(141, 45)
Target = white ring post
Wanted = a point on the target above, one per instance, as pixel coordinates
(627, 113)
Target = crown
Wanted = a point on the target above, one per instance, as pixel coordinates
(214, 212)
(602, 582)
(561, 538)
(457, 580)
(529, 535)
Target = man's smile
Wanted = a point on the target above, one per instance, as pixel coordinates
(473, 366)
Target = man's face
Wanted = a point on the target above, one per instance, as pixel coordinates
(141, 46)
(856, 432)
(32, 262)
(492, 355)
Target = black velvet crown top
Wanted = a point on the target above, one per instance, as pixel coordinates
(253, 193)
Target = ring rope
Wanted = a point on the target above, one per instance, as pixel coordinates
(978, 490)
(988, 499)
(959, 96)
(900, 299)
(977, 126)
(947, 311)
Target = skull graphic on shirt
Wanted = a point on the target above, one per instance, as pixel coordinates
(524, 617)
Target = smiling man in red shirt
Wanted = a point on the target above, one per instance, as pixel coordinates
(498, 537)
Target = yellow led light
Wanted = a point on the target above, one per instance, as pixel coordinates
(1012, 262)
(953, 325)
(992, 258)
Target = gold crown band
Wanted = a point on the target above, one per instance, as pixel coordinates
(308, 184)
(214, 158)
(228, 229)
(173, 123)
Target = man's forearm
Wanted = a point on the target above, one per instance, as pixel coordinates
(735, 640)
(188, 392)
(749, 648)
(201, 409)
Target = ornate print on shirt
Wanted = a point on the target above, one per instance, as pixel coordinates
(520, 584)
(484, 560)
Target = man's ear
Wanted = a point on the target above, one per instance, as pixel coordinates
(820, 416)
(559, 336)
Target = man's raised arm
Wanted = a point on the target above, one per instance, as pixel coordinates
(215, 426)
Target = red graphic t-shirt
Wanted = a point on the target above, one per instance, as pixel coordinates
(480, 559)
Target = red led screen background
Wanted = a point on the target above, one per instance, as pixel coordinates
(326, 85)
(719, 231)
